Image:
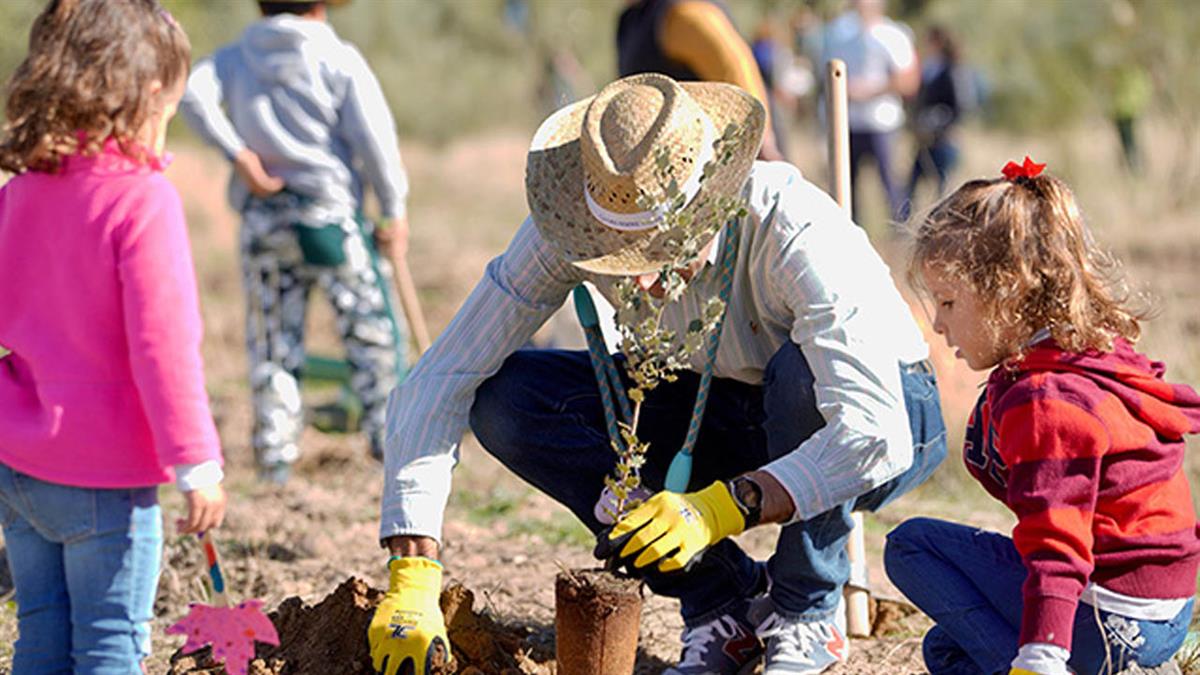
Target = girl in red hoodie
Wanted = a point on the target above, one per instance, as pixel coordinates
(1076, 432)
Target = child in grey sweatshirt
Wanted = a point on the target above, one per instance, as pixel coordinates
(303, 120)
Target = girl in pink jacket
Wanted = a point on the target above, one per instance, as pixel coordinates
(102, 389)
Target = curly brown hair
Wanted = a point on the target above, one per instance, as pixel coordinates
(1022, 247)
(86, 78)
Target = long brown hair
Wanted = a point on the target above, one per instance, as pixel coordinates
(1022, 247)
(85, 79)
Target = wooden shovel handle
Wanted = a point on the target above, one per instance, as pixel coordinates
(839, 134)
(857, 591)
(412, 307)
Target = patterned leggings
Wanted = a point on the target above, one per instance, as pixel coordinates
(280, 265)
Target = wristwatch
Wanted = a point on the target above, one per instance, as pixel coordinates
(747, 494)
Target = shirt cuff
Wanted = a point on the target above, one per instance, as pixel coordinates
(1042, 658)
(1048, 619)
(805, 482)
(414, 500)
(206, 474)
(414, 516)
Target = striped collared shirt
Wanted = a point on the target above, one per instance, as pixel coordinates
(804, 272)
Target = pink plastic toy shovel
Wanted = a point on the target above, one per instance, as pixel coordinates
(232, 631)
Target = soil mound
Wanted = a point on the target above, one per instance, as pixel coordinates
(331, 636)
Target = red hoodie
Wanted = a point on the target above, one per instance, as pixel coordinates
(1087, 450)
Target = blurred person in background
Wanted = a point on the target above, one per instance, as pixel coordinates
(773, 58)
(691, 40)
(796, 82)
(1128, 86)
(304, 122)
(881, 70)
(947, 93)
(1131, 92)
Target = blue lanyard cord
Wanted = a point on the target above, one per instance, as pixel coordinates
(714, 339)
(602, 365)
(606, 370)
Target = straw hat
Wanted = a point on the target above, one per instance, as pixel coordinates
(590, 161)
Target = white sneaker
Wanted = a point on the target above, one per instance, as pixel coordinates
(795, 646)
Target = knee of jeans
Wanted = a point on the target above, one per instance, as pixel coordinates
(788, 365)
(788, 393)
(492, 417)
(910, 534)
(905, 539)
(940, 651)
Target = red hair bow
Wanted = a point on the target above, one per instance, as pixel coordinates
(1029, 169)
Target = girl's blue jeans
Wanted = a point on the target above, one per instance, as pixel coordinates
(969, 581)
(541, 416)
(85, 563)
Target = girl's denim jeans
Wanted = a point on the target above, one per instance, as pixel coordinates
(85, 563)
(969, 581)
(541, 416)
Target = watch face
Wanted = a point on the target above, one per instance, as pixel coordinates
(749, 493)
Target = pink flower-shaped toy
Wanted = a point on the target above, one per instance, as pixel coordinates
(232, 631)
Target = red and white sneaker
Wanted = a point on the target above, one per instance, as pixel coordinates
(723, 646)
(798, 647)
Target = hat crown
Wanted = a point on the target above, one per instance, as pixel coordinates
(592, 176)
(626, 125)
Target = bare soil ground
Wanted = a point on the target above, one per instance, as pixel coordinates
(503, 541)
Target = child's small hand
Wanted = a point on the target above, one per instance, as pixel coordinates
(249, 167)
(392, 237)
(206, 510)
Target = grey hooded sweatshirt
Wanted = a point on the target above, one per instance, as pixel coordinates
(308, 104)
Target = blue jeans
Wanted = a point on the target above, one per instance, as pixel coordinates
(541, 416)
(85, 563)
(969, 582)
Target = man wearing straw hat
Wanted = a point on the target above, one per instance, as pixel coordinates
(822, 400)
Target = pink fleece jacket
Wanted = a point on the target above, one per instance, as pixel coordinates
(105, 385)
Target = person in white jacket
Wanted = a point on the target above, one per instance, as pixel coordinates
(303, 120)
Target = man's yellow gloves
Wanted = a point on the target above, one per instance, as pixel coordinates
(408, 625)
(671, 529)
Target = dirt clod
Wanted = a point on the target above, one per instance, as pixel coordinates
(333, 634)
(892, 617)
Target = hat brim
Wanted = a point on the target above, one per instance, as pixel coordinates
(554, 184)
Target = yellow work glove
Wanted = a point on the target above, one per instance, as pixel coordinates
(671, 529)
(408, 625)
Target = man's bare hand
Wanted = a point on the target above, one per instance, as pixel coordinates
(404, 545)
(249, 167)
